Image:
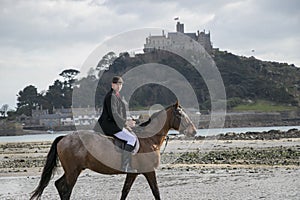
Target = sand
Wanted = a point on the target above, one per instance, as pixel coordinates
(176, 181)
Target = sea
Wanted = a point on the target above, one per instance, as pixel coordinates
(200, 132)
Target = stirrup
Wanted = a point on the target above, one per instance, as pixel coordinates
(129, 170)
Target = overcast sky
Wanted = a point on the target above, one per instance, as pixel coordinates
(39, 39)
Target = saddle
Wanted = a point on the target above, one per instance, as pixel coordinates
(118, 143)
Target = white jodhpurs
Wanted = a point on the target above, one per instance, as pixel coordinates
(127, 136)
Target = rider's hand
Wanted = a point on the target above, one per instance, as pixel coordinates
(131, 123)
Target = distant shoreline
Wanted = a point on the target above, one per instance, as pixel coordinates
(256, 133)
(232, 120)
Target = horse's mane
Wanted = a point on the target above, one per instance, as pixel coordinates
(153, 116)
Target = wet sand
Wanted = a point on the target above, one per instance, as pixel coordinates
(20, 169)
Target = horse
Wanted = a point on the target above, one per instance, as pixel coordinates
(97, 152)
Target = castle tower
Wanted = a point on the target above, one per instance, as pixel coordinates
(180, 27)
(204, 39)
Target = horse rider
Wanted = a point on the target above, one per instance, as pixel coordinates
(113, 122)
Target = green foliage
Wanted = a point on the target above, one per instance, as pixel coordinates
(249, 78)
(262, 105)
(233, 102)
(58, 95)
(150, 94)
(106, 61)
(27, 100)
(69, 76)
(277, 84)
(85, 92)
(244, 78)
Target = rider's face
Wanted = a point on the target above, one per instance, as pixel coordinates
(117, 86)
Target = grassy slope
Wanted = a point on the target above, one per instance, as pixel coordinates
(263, 106)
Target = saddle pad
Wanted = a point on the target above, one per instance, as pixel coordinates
(119, 144)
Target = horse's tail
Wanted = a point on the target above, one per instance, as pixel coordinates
(49, 168)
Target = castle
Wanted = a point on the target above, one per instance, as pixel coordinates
(161, 42)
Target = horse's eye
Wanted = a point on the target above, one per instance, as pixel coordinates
(179, 112)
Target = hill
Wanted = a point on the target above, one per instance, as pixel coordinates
(253, 79)
(248, 81)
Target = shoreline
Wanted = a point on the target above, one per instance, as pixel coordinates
(26, 157)
(26, 132)
(201, 133)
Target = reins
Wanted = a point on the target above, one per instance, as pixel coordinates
(167, 137)
(166, 143)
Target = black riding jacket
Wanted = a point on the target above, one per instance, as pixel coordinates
(113, 117)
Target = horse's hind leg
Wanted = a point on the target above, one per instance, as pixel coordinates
(65, 184)
(62, 187)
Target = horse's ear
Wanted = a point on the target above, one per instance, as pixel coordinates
(177, 104)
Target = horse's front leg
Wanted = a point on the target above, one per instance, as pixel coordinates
(130, 178)
(151, 178)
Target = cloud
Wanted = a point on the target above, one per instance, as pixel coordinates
(45, 36)
(263, 27)
(40, 23)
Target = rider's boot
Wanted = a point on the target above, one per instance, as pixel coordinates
(126, 159)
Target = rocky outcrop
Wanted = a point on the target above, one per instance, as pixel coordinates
(243, 156)
(265, 135)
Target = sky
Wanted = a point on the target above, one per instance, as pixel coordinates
(39, 39)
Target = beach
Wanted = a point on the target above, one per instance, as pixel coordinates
(189, 169)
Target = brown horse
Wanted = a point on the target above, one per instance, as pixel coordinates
(89, 150)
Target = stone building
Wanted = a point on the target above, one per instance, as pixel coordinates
(162, 42)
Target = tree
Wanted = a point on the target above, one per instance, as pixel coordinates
(55, 95)
(84, 91)
(27, 100)
(3, 110)
(106, 61)
(69, 76)
(43, 102)
(11, 114)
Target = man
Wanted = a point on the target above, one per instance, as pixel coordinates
(113, 121)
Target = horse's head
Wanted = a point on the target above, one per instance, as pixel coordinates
(181, 122)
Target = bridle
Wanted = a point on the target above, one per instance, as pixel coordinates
(174, 115)
(171, 125)
(183, 123)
